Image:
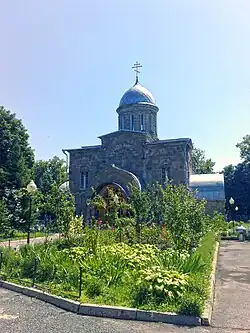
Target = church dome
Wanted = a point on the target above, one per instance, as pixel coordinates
(137, 94)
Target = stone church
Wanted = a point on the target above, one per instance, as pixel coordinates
(131, 154)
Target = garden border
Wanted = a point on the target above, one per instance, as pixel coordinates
(117, 312)
(208, 310)
(103, 310)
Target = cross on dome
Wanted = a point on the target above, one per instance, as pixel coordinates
(136, 67)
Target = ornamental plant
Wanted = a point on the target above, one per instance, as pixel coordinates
(162, 283)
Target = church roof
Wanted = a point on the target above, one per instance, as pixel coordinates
(207, 180)
(137, 94)
(157, 142)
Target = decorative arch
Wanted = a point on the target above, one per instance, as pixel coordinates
(118, 176)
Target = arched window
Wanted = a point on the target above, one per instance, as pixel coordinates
(163, 176)
(132, 122)
(84, 180)
(142, 122)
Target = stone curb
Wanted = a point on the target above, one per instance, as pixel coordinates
(104, 310)
(58, 301)
(207, 313)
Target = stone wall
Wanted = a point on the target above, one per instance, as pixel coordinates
(171, 155)
(131, 151)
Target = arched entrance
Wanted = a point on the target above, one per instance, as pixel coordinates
(113, 194)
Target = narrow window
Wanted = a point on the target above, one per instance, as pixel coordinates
(132, 122)
(123, 122)
(84, 180)
(150, 123)
(163, 176)
(169, 174)
(142, 123)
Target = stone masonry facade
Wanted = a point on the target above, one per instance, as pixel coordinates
(131, 151)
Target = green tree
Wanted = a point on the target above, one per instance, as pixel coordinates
(157, 209)
(139, 206)
(49, 173)
(15, 204)
(185, 217)
(200, 164)
(58, 208)
(244, 147)
(5, 225)
(16, 155)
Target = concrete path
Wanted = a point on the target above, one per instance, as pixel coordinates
(19, 242)
(232, 291)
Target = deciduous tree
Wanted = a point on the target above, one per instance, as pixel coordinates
(16, 155)
(200, 164)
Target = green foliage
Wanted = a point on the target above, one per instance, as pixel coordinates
(49, 173)
(59, 205)
(139, 208)
(16, 156)
(162, 283)
(201, 165)
(217, 223)
(156, 211)
(76, 226)
(16, 207)
(93, 287)
(191, 306)
(130, 274)
(135, 256)
(237, 184)
(185, 218)
(182, 261)
(5, 225)
(244, 147)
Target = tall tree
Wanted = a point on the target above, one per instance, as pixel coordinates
(200, 164)
(16, 155)
(237, 183)
(244, 147)
(49, 173)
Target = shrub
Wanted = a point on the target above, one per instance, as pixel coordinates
(162, 283)
(76, 226)
(191, 305)
(93, 287)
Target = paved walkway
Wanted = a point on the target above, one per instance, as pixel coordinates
(232, 292)
(19, 242)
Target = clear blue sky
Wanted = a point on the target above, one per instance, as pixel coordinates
(64, 66)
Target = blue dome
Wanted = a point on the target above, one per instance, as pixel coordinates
(137, 94)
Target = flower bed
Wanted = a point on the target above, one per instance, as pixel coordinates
(116, 273)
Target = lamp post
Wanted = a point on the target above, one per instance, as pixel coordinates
(31, 188)
(236, 209)
(231, 202)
